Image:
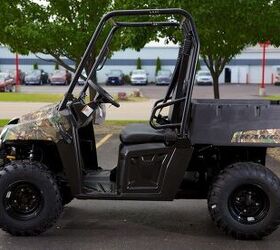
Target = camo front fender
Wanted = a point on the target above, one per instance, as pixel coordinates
(53, 128)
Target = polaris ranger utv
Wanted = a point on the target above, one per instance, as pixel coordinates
(214, 149)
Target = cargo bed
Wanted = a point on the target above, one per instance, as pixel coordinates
(234, 122)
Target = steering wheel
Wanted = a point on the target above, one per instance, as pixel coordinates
(108, 98)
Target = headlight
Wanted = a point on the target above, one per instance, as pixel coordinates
(3, 132)
(2, 135)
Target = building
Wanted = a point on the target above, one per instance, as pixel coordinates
(244, 68)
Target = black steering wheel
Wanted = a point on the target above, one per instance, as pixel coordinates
(108, 98)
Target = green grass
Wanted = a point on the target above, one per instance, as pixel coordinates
(273, 97)
(40, 97)
(122, 122)
(3, 122)
(26, 97)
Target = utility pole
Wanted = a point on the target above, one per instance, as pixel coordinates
(17, 74)
(262, 87)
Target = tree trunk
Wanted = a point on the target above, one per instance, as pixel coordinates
(215, 77)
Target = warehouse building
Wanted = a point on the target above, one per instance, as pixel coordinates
(245, 68)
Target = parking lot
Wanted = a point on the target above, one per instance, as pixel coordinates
(181, 224)
(239, 91)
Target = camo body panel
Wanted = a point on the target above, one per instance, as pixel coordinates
(264, 136)
(45, 124)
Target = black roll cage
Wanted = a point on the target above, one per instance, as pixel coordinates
(181, 86)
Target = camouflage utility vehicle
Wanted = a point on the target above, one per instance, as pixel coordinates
(204, 149)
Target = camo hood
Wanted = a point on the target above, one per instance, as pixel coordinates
(45, 124)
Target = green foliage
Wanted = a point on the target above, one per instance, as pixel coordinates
(127, 79)
(225, 27)
(158, 65)
(3, 122)
(35, 66)
(198, 67)
(138, 63)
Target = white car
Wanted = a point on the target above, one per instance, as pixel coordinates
(203, 77)
(139, 76)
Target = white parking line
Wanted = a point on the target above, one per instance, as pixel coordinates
(103, 140)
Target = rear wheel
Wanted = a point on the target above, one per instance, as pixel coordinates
(30, 198)
(244, 201)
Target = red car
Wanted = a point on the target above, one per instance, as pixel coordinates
(60, 77)
(6, 82)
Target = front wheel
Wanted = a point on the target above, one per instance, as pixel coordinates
(244, 201)
(30, 198)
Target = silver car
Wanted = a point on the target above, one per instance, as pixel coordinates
(163, 77)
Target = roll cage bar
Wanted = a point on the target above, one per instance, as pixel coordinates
(180, 89)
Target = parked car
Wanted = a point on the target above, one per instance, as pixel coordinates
(163, 77)
(36, 77)
(115, 77)
(81, 81)
(139, 76)
(60, 77)
(6, 82)
(203, 77)
(22, 74)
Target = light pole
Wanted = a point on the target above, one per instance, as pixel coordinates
(17, 74)
(262, 87)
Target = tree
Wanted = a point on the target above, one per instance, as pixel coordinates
(56, 66)
(158, 65)
(56, 27)
(138, 63)
(60, 28)
(35, 66)
(225, 27)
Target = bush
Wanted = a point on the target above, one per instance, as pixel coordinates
(35, 66)
(158, 65)
(139, 63)
(127, 79)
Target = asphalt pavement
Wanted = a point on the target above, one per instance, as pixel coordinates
(180, 224)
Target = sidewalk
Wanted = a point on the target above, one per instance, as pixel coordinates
(127, 110)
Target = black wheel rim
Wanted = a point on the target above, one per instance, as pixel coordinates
(23, 200)
(248, 204)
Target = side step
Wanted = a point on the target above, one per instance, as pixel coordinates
(98, 181)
